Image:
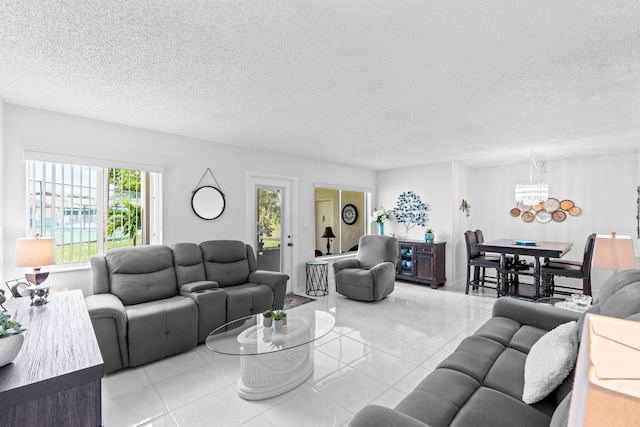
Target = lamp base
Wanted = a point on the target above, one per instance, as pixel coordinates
(36, 278)
(39, 294)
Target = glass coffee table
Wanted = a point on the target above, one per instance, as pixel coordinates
(272, 361)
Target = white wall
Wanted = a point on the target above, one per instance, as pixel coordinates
(604, 187)
(435, 186)
(185, 160)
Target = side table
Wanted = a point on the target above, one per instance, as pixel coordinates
(317, 277)
(56, 378)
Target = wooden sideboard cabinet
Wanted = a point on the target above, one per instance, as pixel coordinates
(421, 262)
(56, 378)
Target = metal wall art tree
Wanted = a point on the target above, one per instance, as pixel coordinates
(410, 211)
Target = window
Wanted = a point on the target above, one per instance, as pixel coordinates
(91, 209)
(331, 207)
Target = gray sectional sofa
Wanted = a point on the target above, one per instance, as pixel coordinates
(481, 383)
(151, 302)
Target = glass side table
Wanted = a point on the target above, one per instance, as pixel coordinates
(317, 278)
(563, 303)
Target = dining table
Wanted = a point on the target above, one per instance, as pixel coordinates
(536, 249)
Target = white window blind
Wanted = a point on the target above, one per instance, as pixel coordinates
(90, 209)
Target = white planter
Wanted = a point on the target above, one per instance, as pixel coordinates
(10, 347)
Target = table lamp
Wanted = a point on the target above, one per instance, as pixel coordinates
(328, 234)
(613, 252)
(35, 252)
(606, 389)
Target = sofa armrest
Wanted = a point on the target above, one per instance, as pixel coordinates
(109, 321)
(276, 281)
(212, 309)
(379, 416)
(539, 315)
(384, 268)
(107, 305)
(345, 263)
(199, 286)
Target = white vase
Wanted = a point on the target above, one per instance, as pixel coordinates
(10, 347)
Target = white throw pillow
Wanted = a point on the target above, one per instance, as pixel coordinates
(550, 361)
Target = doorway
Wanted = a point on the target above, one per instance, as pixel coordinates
(269, 209)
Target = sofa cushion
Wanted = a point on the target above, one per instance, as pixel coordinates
(487, 407)
(141, 274)
(500, 329)
(161, 328)
(187, 258)
(474, 357)
(439, 397)
(550, 361)
(374, 249)
(247, 299)
(225, 262)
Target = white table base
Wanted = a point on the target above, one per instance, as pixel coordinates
(268, 375)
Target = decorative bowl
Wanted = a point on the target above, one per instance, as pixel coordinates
(581, 300)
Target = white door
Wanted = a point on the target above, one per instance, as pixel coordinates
(270, 223)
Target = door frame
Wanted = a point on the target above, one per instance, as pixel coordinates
(289, 222)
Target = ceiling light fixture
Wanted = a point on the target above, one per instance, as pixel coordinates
(531, 193)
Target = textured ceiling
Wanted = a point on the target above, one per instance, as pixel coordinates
(375, 84)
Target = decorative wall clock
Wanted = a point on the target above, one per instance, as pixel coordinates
(349, 214)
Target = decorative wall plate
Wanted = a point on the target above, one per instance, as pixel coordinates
(565, 205)
(575, 211)
(543, 217)
(559, 216)
(528, 217)
(551, 204)
(515, 212)
(537, 207)
(523, 207)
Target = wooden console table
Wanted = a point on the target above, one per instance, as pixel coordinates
(56, 378)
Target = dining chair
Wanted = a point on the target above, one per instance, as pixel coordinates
(479, 261)
(572, 269)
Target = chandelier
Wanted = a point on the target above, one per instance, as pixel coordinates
(531, 193)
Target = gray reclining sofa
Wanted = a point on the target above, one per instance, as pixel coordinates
(482, 381)
(151, 302)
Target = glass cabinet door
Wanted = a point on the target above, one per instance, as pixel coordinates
(405, 260)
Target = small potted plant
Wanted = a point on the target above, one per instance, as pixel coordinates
(11, 338)
(428, 235)
(279, 319)
(267, 318)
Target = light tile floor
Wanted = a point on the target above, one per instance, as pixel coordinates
(377, 353)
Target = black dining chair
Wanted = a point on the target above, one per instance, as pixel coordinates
(479, 261)
(573, 269)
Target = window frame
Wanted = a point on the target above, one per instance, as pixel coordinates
(151, 190)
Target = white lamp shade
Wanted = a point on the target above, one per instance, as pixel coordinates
(606, 389)
(35, 252)
(614, 252)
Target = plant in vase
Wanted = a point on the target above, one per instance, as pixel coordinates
(11, 338)
(267, 318)
(279, 319)
(380, 216)
(410, 211)
(428, 235)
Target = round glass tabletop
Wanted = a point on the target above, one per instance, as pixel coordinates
(247, 336)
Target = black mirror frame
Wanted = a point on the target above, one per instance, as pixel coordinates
(224, 202)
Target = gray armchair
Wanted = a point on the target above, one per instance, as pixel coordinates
(371, 275)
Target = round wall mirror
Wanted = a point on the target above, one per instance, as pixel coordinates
(208, 202)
